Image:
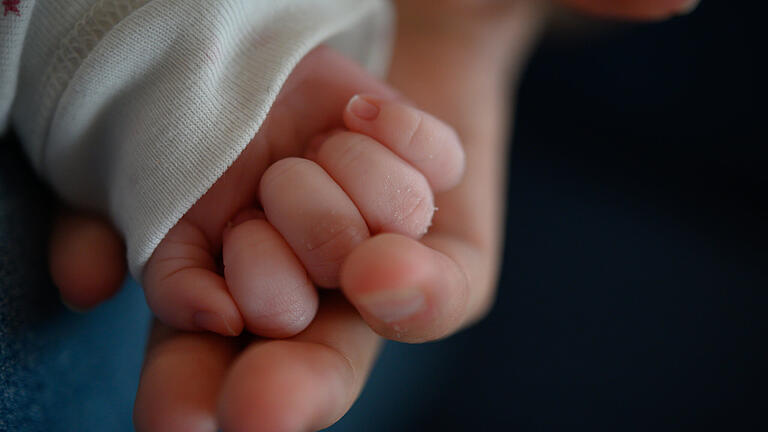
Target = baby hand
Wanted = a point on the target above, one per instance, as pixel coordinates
(299, 199)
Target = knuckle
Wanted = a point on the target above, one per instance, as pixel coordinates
(328, 243)
(331, 234)
(280, 170)
(344, 150)
(413, 209)
(435, 148)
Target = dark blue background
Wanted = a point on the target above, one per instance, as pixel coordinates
(634, 290)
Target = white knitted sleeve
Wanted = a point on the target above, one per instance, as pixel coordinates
(136, 107)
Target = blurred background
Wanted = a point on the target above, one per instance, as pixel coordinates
(634, 293)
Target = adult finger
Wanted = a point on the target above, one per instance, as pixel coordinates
(426, 291)
(414, 291)
(180, 381)
(304, 383)
(418, 291)
(87, 259)
(409, 291)
(634, 9)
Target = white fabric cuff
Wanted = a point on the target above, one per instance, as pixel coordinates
(164, 101)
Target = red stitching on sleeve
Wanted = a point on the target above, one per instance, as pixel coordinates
(11, 6)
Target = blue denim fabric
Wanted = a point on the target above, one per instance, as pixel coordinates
(59, 370)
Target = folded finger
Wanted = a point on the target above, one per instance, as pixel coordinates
(313, 214)
(183, 286)
(304, 383)
(267, 281)
(422, 140)
(391, 195)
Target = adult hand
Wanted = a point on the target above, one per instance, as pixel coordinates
(196, 382)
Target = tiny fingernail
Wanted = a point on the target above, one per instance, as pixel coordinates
(363, 108)
(393, 306)
(688, 7)
(213, 322)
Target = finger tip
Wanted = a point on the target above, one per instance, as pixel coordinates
(285, 323)
(191, 299)
(370, 265)
(267, 282)
(84, 286)
(382, 279)
(217, 323)
(172, 421)
(74, 307)
(688, 7)
(280, 385)
(180, 381)
(86, 261)
(405, 290)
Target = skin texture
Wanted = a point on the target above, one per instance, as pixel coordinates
(312, 197)
(334, 354)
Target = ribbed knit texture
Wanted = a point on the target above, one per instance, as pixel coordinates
(136, 107)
